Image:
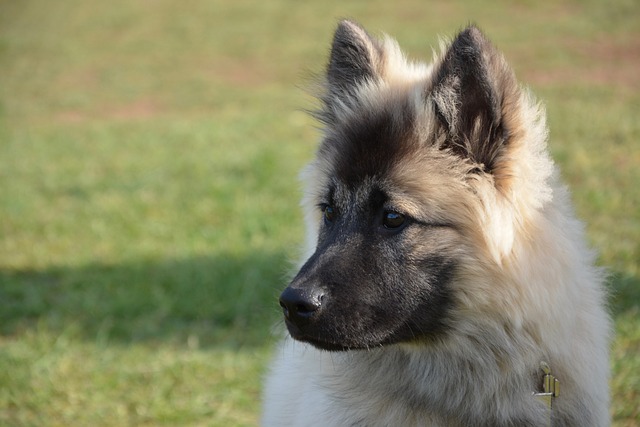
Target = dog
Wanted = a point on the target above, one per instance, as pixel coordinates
(445, 281)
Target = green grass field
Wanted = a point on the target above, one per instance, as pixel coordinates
(149, 153)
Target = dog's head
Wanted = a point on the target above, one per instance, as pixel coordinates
(416, 190)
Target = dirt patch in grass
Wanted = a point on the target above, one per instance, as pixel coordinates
(137, 110)
(140, 109)
(603, 62)
(240, 73)
(217, 73)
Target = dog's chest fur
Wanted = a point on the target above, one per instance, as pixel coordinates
(393, 387)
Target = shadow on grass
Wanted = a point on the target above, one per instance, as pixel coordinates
(223, 301)
(625, 293)
(226, 300)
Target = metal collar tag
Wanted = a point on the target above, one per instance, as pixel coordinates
(550, 389)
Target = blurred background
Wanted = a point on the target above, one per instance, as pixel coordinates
(149, 154)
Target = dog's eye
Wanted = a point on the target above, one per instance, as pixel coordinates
(392, 220)
(329, 213)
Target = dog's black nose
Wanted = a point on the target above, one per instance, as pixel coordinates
(300, 304)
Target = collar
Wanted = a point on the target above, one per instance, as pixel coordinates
(550, 389)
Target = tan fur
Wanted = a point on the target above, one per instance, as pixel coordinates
(527, 290)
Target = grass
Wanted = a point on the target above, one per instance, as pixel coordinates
(149, 202)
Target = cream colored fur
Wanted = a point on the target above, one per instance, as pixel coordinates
(527, 291)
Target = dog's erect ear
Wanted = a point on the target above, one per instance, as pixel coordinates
(355, 57)
(472, 89)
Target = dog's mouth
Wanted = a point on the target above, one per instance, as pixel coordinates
(326, 343)
(321, 343)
